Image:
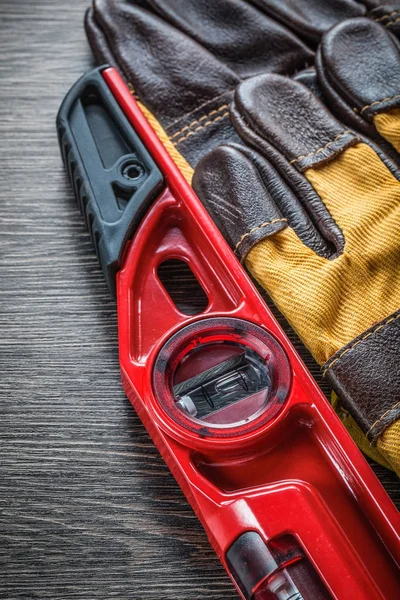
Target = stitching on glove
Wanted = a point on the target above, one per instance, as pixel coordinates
(206, 124)
(379, 101)
(391, 23)
(387, 16)
(367, 335)
(320, 149)
(245, 235)
(382, 417)
(201, 107)
(210, 114)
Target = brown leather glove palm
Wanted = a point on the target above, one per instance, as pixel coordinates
(309, 203)
(184, 59)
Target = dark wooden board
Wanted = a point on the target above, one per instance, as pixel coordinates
(87, 507)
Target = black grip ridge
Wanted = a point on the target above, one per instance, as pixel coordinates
(114, 178)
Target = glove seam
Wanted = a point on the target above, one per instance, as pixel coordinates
(387, 16)
(245, 235)
(204, 126)
(196, 121)
(327, 145)
(176, 122)
(379, 101)
(381, 418)
(363, 338)
(392, 22)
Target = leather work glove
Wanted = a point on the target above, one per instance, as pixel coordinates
(185, 58)
(309, 201)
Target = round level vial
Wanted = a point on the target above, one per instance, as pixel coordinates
(221, 375)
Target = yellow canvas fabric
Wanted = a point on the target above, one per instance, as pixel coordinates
(330, 302)
(388, 125)
(389, 446)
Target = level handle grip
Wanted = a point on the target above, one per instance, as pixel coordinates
(115, 180)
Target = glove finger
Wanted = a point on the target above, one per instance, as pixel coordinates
(292, 119)
(358, 68)
(300, 136)
(286, 123)
(238, 34)
(350, 181)
(232, 189)
(310, 18)
(181, 83)
(248, 201)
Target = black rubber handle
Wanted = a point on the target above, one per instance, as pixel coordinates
(115, 180)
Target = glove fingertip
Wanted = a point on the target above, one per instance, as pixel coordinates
(231, 188)
(361, 60)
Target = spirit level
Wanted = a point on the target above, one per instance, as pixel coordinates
(287, 500)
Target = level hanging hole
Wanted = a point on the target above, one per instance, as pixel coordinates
(182, 286)
(132, 171)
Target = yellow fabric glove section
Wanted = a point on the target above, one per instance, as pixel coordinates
(330, 302)
(388, 125)
(388, 445)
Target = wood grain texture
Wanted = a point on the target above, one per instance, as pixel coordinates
(88, 509)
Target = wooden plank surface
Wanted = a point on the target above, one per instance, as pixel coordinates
(87, 507)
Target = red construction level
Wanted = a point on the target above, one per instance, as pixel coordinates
(288, 502)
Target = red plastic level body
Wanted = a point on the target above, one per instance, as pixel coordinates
(298, 473)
